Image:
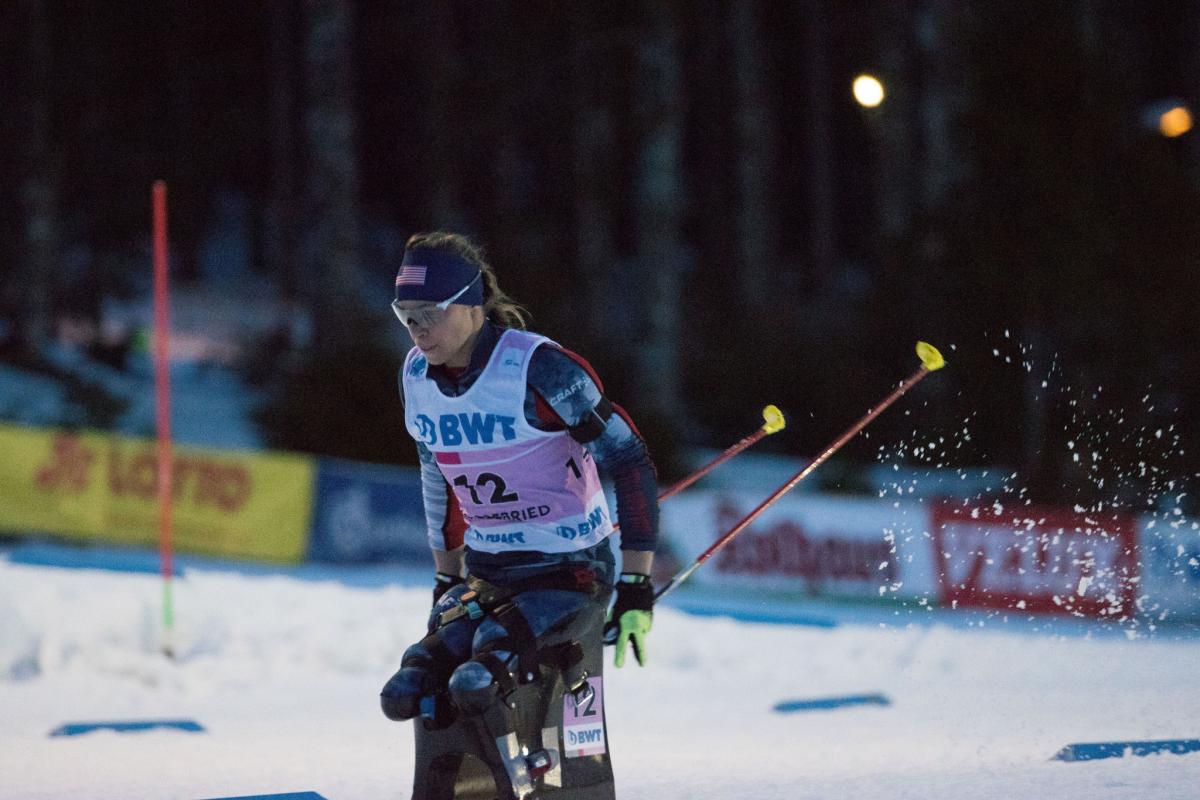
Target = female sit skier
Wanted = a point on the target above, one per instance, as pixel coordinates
(511, 429)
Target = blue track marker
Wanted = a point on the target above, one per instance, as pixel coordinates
(1096, 750)
(111, 559)
(76, 728)
(827, 703)
(749, 613)
(287, 796)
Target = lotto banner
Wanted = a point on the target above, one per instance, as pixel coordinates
(1044, 560)
(95, 486)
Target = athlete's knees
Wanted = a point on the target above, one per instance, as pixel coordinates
(400, 697)
(473, 688)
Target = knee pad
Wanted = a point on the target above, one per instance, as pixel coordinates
(400, 697)
(473, 688)
(418, 655)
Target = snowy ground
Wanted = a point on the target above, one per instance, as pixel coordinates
(284, 674)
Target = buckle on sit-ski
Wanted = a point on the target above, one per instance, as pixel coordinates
(468, 605)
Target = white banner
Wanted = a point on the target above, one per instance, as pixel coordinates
(831, 546)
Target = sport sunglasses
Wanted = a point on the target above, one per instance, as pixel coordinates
(430, 314)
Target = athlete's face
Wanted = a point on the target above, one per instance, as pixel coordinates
(449, 337)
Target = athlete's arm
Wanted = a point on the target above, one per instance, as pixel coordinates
(449, 562)
(444, 523)
(566, 393)
(639, 561)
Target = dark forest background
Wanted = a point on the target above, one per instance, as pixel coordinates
(684, 192)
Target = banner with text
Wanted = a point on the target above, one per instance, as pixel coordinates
(93, 485)
(1043, 560)
(812, 545)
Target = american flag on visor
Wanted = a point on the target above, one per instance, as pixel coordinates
(411, 276)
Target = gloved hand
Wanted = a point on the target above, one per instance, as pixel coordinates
(443, 584)
(632, 614)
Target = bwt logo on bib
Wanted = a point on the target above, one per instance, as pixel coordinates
(474, 428)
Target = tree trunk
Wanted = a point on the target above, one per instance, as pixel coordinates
(40, 181)
(754, 159)
(443, 75)
(942, 100)
(823, 196)
(280, 244)
(659, 206)
(332, 172)
(595, 169)
(897, 136)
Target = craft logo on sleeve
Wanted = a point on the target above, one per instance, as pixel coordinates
(583, 722)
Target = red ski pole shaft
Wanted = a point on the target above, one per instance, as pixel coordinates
(931, 360)
(773, 422)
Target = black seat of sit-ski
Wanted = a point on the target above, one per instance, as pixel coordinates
(460, 762)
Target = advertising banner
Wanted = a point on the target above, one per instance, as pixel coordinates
(1038, 560)
(368, 513)
(91, 485)
(808, 544)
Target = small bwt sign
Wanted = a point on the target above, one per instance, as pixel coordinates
(583, 723)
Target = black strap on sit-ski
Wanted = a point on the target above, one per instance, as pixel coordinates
(568, 578)
(499, 670)
(443, 658)
(521, 640)
(563, 656)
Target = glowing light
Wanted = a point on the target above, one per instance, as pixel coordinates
(868, 91)
(1175, 121)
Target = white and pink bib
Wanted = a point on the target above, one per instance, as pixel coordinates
(519, 488)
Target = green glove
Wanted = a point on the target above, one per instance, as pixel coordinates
(633, 615)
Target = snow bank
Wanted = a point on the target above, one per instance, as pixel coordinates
(284, 675)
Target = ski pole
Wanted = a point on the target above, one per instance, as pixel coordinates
(773, 422)
(931, 360)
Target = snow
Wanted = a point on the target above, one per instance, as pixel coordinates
(284, 671)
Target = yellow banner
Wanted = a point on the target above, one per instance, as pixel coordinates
(96, 486)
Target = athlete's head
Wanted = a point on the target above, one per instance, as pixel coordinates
(444, 291)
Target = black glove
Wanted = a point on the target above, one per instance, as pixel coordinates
(444, 584)
(635, 592)
(632, 615)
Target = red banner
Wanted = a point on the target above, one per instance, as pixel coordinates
(1036, 560)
